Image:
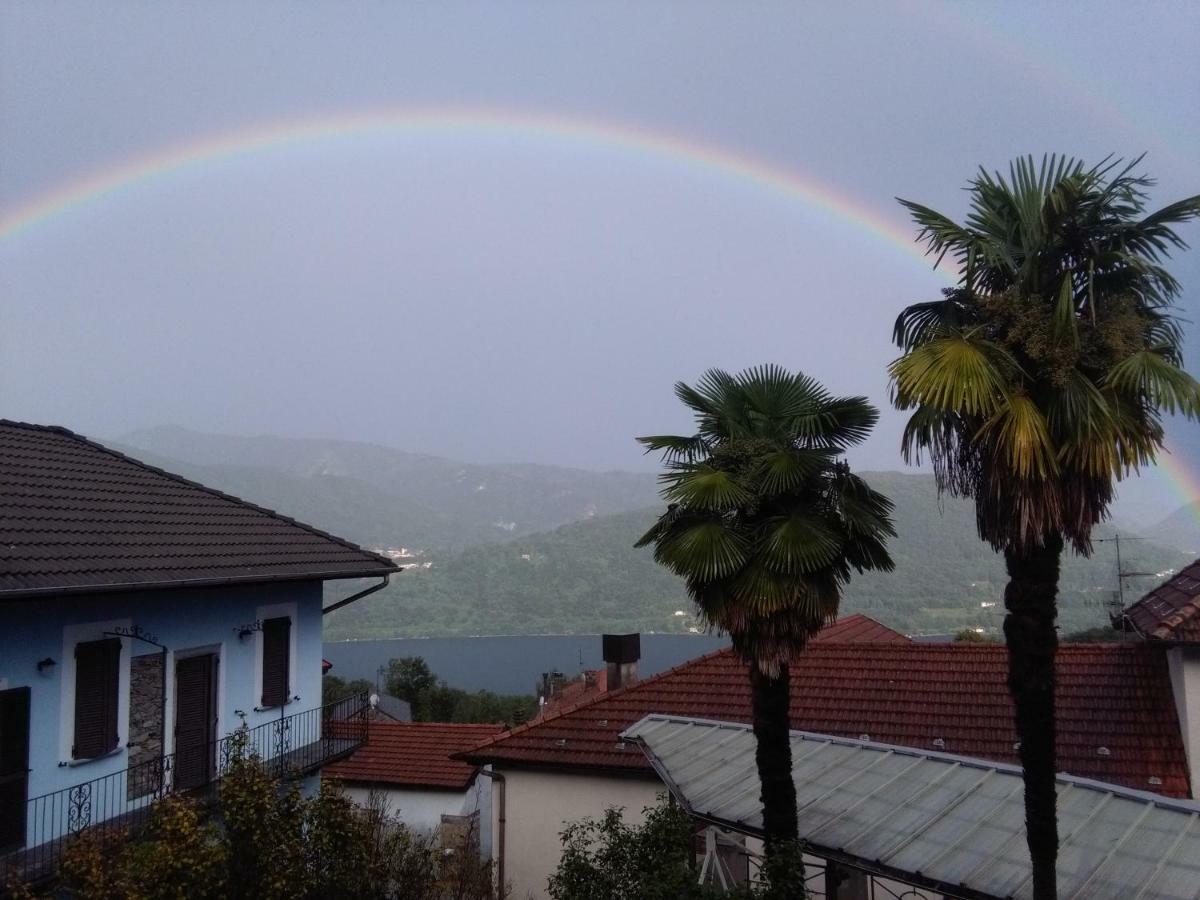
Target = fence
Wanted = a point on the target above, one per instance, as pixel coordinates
(290, 746)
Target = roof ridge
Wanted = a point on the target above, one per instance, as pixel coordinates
(58, 429)
(591, 699)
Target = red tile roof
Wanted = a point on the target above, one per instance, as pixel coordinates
(1170, 612)
(76, 516)
(414, 754)
(860, 629)
(1111, 696)
(586, 686)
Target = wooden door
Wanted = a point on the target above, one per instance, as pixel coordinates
(14, 766)
(195, 720)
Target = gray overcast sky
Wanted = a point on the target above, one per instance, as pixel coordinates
(505, 295)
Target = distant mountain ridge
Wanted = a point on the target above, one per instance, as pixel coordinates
(587, 577)
(1181, 529)
(549, 550)
(384, 496)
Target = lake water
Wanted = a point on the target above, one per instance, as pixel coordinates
(510, 665)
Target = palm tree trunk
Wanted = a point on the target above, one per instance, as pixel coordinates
(1030, 598)
(771, 698)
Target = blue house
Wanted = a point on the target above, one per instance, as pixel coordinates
(143, 619)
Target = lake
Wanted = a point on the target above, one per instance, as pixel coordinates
(510, 665)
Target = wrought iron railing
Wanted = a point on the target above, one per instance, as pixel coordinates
(289, 746)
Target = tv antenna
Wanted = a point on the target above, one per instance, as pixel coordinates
(1122, 574)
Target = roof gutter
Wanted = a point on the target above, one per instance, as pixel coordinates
(372, 589)
(130, 586)
(501, 818)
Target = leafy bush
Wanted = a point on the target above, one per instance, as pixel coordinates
(605, 858)
(266, 840)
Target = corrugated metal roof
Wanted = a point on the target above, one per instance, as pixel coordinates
(954, 824)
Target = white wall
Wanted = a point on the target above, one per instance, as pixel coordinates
(539, 804)
(422, 809)
(1184, 666)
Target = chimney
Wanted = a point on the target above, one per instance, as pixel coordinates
(621, 655)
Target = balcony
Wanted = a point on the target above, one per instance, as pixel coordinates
(289, 747)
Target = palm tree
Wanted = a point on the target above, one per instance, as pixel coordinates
(764, 524)
(1035, 384)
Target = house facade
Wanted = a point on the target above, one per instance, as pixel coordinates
(1168, 617)
(407, 768)
(143, 619)
(1117, 724)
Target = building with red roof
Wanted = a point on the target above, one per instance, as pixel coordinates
(411, 766)
(1169, 617)
(571, 764)
(1117, 723)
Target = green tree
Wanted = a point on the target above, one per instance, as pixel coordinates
(408, 678)
(432, 700)
(606, 857)
(334, 688)
(1036, 384)
(765, 523)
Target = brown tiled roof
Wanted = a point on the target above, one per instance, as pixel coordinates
(76, 516)
(1116, 714)
(1170, 612)
(860, 629)
(414, 754)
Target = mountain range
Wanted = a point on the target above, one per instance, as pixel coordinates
(529, 549)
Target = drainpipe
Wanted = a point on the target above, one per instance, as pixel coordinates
(358, 596)
(500, 819)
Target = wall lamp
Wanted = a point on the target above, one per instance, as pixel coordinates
(45, 664)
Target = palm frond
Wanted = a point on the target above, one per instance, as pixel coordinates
(923, 322)
(706, 551)
(959, 373)
(676, 448)
(1152, 375)
(799, 543)
(1021, 438)
(702, 487)
(788, 469)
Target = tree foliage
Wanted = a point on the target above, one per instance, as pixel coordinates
(1043, 377)
(266, 840)
(765, 521)
(604, 858)
(1034, 386)
(335, 688)
(432, 700)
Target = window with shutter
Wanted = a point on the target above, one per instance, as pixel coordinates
(97, 684)
(277, 644)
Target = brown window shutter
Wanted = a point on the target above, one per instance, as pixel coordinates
(277, 645)
(97, 683)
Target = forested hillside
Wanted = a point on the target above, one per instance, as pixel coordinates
(497, 563)
(381, 496)
(587, 577)
(1181, 529)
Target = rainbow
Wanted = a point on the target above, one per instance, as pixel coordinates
(418, 123)
(1184, 480)
(565, 131)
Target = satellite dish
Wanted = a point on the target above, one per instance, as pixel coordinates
(373, 700)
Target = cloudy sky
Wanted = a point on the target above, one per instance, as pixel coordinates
(502, 231)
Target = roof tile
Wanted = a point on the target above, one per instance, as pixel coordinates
(414, 754)
(75, 515)
(1170, 612)
(1116, 696)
